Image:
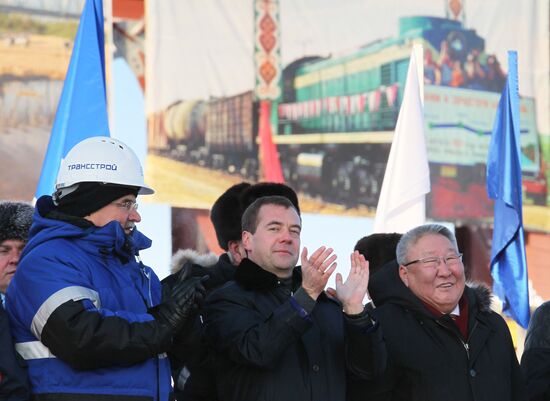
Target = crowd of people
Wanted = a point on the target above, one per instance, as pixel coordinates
(85, 319)
(474, 72)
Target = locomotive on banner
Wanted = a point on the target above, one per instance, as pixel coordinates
(336, 117)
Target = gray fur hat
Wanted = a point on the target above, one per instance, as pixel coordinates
(15, 220)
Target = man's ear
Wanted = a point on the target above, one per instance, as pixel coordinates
(236, 249)
(246, 239)
(404, 275)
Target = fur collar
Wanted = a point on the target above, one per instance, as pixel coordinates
(250, 276)
(480, 294)
(183, 256)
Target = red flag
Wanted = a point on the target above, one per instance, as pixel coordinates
(269, 157)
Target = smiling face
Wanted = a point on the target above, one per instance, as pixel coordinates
(440, 286)
(10, 250)
(116, 211)
(275, 243)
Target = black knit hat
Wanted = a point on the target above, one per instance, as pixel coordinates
(268, 189)
(15, 220)
(226, 215)
(92, 196)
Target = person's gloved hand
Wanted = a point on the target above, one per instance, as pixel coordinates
(179, 301)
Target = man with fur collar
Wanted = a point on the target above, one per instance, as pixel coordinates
(193, 375)
(276, 334)
(444, 342)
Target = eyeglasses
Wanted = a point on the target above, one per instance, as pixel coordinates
(129, 205)
(434, 261)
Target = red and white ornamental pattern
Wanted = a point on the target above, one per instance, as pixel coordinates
(347, 105)
(267, 54)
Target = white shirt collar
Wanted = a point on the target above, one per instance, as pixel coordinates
(456, 311)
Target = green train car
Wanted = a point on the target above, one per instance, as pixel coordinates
(337, 115)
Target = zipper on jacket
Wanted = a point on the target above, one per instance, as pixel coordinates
(148, 277)
(465, 344)
(466, 347)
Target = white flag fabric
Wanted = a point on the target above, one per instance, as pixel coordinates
(402, 202)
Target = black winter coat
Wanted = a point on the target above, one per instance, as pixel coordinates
(427, 358)
(191, 361)
(14, 382)
(269, 349)
(535, 361)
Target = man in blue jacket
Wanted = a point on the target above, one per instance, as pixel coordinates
(86, 314)
(15, 222)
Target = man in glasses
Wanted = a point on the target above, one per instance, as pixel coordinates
(86, 314)
(444, 342)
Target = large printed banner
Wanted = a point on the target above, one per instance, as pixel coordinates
(334, 73)
(344, 67)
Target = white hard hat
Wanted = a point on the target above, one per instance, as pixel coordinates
(101, 159)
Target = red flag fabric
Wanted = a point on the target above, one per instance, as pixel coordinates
(269, 157)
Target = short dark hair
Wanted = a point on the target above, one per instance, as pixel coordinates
(249, 220)
(378, 249)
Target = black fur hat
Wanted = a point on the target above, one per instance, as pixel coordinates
(15, 220)
(226, 215)
(378, 249)
(268, 189)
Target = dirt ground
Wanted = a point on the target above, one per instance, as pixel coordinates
(39, 55)
(21, 155)
(186, 185)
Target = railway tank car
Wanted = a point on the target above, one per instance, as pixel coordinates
(335, 119)
(218, 133)
(184, 124)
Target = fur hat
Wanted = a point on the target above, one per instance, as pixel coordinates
(228, 209)
(378, 249)
(268, 189)
(226, 215)
(15, 220)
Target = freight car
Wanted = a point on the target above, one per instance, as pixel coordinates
(336, 116)
(219, 133)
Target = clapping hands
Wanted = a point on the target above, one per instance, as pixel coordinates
(316, 270)
(351, 292)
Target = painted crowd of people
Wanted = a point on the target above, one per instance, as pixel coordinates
(83, 318)
(472, 72)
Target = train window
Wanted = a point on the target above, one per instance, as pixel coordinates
(401, 68)
(386, 74)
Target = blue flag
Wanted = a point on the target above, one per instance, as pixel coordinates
(508, 262)
(82, 108)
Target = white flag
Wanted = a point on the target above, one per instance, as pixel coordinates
(402, 202)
